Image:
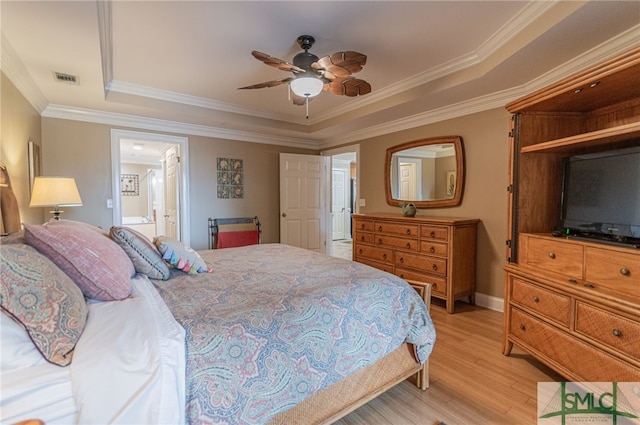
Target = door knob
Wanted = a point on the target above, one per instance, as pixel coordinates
(284, 214)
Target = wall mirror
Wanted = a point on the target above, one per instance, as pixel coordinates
(426, 172)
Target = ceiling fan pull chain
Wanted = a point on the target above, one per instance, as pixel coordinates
(307, 102)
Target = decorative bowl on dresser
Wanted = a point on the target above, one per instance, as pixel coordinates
(571, 302)
(421, 250)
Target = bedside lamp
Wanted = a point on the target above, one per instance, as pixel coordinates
(55, 192)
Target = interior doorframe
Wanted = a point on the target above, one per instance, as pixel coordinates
(336, 151)
(183, 142)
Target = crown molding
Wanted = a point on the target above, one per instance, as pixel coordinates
(611, 48)
(124, 120)
(15, 70)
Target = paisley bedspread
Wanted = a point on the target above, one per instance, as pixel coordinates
(272, 324)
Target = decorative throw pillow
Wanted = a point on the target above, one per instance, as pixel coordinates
(96, 264)
(73, 223)
(37, 294)
(143, 254)
(180, 256)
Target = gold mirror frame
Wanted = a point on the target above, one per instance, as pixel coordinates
(459, 179)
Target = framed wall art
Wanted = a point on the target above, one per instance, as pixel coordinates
(34, 162)
(451, 183)
(230, 178)
(129, 185)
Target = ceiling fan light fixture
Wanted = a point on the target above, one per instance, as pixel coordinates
(307, 86)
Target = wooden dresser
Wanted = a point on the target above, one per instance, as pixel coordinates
(573, 304)
(438, 251)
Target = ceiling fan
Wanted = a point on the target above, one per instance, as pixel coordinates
(311, 74)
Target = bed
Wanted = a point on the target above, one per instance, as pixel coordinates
(259, 334)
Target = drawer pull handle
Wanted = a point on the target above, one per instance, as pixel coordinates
(384, 256)
(401, 260)
(379, 241)
(617, 333)
(589, 285)
(523, 327)
(408, 245)
(573, 281)
(625, 272)
(401, 275)
(408, 231)
(360, 251)
(362, 226)
(536, 299)
(552, 255)
(432, 249)
(362, 238)
(379, 228)
(433, 234)
(435, 267)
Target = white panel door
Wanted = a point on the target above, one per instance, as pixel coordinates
(408, 181)
(172, 195)
(303, 208)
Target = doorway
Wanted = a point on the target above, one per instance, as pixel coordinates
(344, 190)
(150, 183)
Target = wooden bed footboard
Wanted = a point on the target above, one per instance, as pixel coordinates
(345, 396)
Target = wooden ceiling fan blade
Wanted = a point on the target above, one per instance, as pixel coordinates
(276, 62)
(349, 87)
(272, 83)
(341, 64)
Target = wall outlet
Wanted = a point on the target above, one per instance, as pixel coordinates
(362, 202)
(109, 203)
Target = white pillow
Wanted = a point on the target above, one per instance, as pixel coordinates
(17, 350)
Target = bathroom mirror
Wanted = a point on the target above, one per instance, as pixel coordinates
(427, 172)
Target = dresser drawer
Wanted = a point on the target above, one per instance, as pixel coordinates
(434, 232)
(422, 262)
(385, 267)
(396, 228)
(554, 256)
(433, 248)
(608, 328)
(544, 302)
(573, 358)
(363, 237)
(438, 284)
(615, 270)
(364, 225)
(374, 253)
(396, 242)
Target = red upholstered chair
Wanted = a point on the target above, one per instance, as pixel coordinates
(233, 232)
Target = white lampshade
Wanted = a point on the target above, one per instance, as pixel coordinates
(307, 86)
(55, 192)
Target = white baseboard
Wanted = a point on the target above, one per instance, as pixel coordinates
(490, 302)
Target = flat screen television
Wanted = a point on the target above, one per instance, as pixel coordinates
(601, 196)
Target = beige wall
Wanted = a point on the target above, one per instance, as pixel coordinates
(20, 123)
(485, 137)
(83, 151)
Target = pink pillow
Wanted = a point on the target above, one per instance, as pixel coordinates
(94, 262)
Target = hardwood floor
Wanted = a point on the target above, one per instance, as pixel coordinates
(471, 382)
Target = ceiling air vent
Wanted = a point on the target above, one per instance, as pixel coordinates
(65, 78)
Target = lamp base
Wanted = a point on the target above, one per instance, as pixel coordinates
(57, 212)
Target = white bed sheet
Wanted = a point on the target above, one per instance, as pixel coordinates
(129, 365)
(128, 368)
